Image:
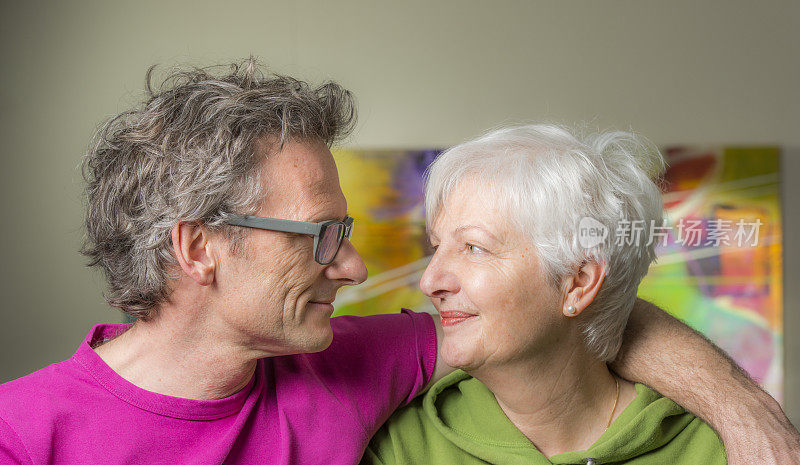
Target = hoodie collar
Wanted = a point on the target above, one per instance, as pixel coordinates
(467, 413)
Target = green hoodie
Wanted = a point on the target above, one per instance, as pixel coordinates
(459, 422)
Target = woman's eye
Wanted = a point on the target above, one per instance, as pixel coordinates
(474, 248)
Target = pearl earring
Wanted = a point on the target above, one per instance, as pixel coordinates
(571, 310)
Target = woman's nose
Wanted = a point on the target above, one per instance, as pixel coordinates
(439, 279)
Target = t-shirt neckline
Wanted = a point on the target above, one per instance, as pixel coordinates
(175, 407)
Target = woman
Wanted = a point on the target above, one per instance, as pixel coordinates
(541, 240)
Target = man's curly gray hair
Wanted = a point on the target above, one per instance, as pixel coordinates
(188, 154)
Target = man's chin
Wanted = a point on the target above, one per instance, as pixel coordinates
(320, 344)
(320, 336)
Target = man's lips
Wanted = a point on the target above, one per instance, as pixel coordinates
(327, 304)
(450, 318)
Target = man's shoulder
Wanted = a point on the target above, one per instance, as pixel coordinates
(43, 395)
(56, 383)
(390, 357)
(365, 323)
(41, 379)
(41, 384)
(386, 334)
(356, 338)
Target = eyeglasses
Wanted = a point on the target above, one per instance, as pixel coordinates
(328, 235)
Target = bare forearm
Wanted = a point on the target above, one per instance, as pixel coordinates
(665, 354)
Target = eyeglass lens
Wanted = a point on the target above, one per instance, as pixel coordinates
(329, 242)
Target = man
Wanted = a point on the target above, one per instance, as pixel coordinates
(216, 214)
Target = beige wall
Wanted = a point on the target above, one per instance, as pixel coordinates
(426, 74)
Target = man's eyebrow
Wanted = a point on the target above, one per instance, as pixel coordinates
(320, 218)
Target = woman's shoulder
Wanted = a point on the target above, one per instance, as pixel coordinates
(457, 421)
(696, 440)
(655, 429)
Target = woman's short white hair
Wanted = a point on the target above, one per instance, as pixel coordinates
(550, 179)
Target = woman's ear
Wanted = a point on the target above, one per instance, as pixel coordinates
(582, 287)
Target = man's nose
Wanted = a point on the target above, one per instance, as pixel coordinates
(347, 265)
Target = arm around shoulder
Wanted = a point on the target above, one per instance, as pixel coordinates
(662, 352)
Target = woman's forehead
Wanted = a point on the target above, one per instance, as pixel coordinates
(472, 206)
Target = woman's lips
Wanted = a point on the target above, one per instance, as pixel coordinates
(450, 318)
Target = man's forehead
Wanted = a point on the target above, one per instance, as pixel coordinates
(305, 158)
(302, 176)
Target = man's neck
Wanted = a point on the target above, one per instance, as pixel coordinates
(561, 404)
(179, 357)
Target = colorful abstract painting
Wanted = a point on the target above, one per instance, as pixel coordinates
(720, 270)
(719, 266)
(384, 191)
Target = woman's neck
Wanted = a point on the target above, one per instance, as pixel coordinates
(561, 404)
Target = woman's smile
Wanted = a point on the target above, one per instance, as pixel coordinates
(452, 318)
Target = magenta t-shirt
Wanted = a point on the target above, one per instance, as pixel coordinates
(319, 408)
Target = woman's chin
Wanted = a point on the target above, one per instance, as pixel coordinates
(461, 345)
(457, 357)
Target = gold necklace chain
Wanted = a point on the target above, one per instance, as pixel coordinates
(615, 404)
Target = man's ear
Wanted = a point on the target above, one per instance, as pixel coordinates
(190, 244)
(582, 287)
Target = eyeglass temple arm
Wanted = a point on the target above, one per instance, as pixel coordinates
(274, 224)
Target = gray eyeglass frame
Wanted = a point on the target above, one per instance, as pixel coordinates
(298, 227)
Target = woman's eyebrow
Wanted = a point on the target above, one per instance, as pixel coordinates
(468, 227)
